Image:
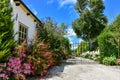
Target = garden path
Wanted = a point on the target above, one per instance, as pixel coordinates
(82, 69)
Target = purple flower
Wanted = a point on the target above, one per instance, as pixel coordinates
(14, 65)
(9, 69)
(3, 75)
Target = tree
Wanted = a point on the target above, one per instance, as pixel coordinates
(92, 21)
(6, 29)
(54, 35)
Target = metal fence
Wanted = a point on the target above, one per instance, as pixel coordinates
(81, 49)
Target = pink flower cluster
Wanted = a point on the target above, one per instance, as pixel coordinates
(14, 65)
(27, 68)
(3, 75)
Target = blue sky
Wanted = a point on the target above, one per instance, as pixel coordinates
(63, 11)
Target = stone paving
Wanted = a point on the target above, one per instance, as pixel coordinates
(82, 69)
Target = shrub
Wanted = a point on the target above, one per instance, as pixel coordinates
(109, 40)
(35, 62)
(96, 58)
(109, 60)
(106, 46)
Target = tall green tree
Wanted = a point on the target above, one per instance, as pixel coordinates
(6, 28)
(91, 21)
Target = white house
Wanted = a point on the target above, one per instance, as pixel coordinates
(25, 22)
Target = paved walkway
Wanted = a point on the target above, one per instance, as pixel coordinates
(82, 69)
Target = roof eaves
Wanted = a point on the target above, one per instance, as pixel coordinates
(29, 10)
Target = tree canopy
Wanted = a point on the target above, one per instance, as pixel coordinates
(91, 21)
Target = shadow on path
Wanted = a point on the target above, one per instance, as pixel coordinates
(58, 70)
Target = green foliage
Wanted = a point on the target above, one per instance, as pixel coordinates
(109, 40)
(83, 47)
(6, 22)
(106, 47)
(94, 57)
(87, 56)
(6, 30)
(109, 60)
(92, 20)
(5, 48)
(66, 45)
(54, 35)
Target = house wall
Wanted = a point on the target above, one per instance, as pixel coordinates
(21, 16)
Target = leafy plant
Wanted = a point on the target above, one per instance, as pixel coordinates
(5, 48)
(109, 40)
(109, 60)
(6, 30)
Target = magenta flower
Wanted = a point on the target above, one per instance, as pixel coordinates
(3, 75)
(14, 65)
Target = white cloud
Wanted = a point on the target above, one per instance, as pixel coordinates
(80, 40)
(70, 32)
(71, 40)
(34, 11)
(65, 2)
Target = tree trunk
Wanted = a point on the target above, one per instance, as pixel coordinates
(90, 44)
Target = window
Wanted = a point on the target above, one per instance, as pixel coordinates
(23, 32)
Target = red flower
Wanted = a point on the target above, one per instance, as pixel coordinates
(33, 67)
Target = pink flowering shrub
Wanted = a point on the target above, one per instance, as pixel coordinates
(36, 60)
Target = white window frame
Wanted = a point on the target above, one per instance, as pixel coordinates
(22, 32)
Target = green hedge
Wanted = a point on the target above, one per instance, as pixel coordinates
(106, 47)
(109, 40)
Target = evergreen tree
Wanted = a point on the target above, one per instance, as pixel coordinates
(91, 21)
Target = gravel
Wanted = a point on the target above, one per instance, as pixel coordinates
(82, 69)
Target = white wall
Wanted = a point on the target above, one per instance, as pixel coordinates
(23, 18)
